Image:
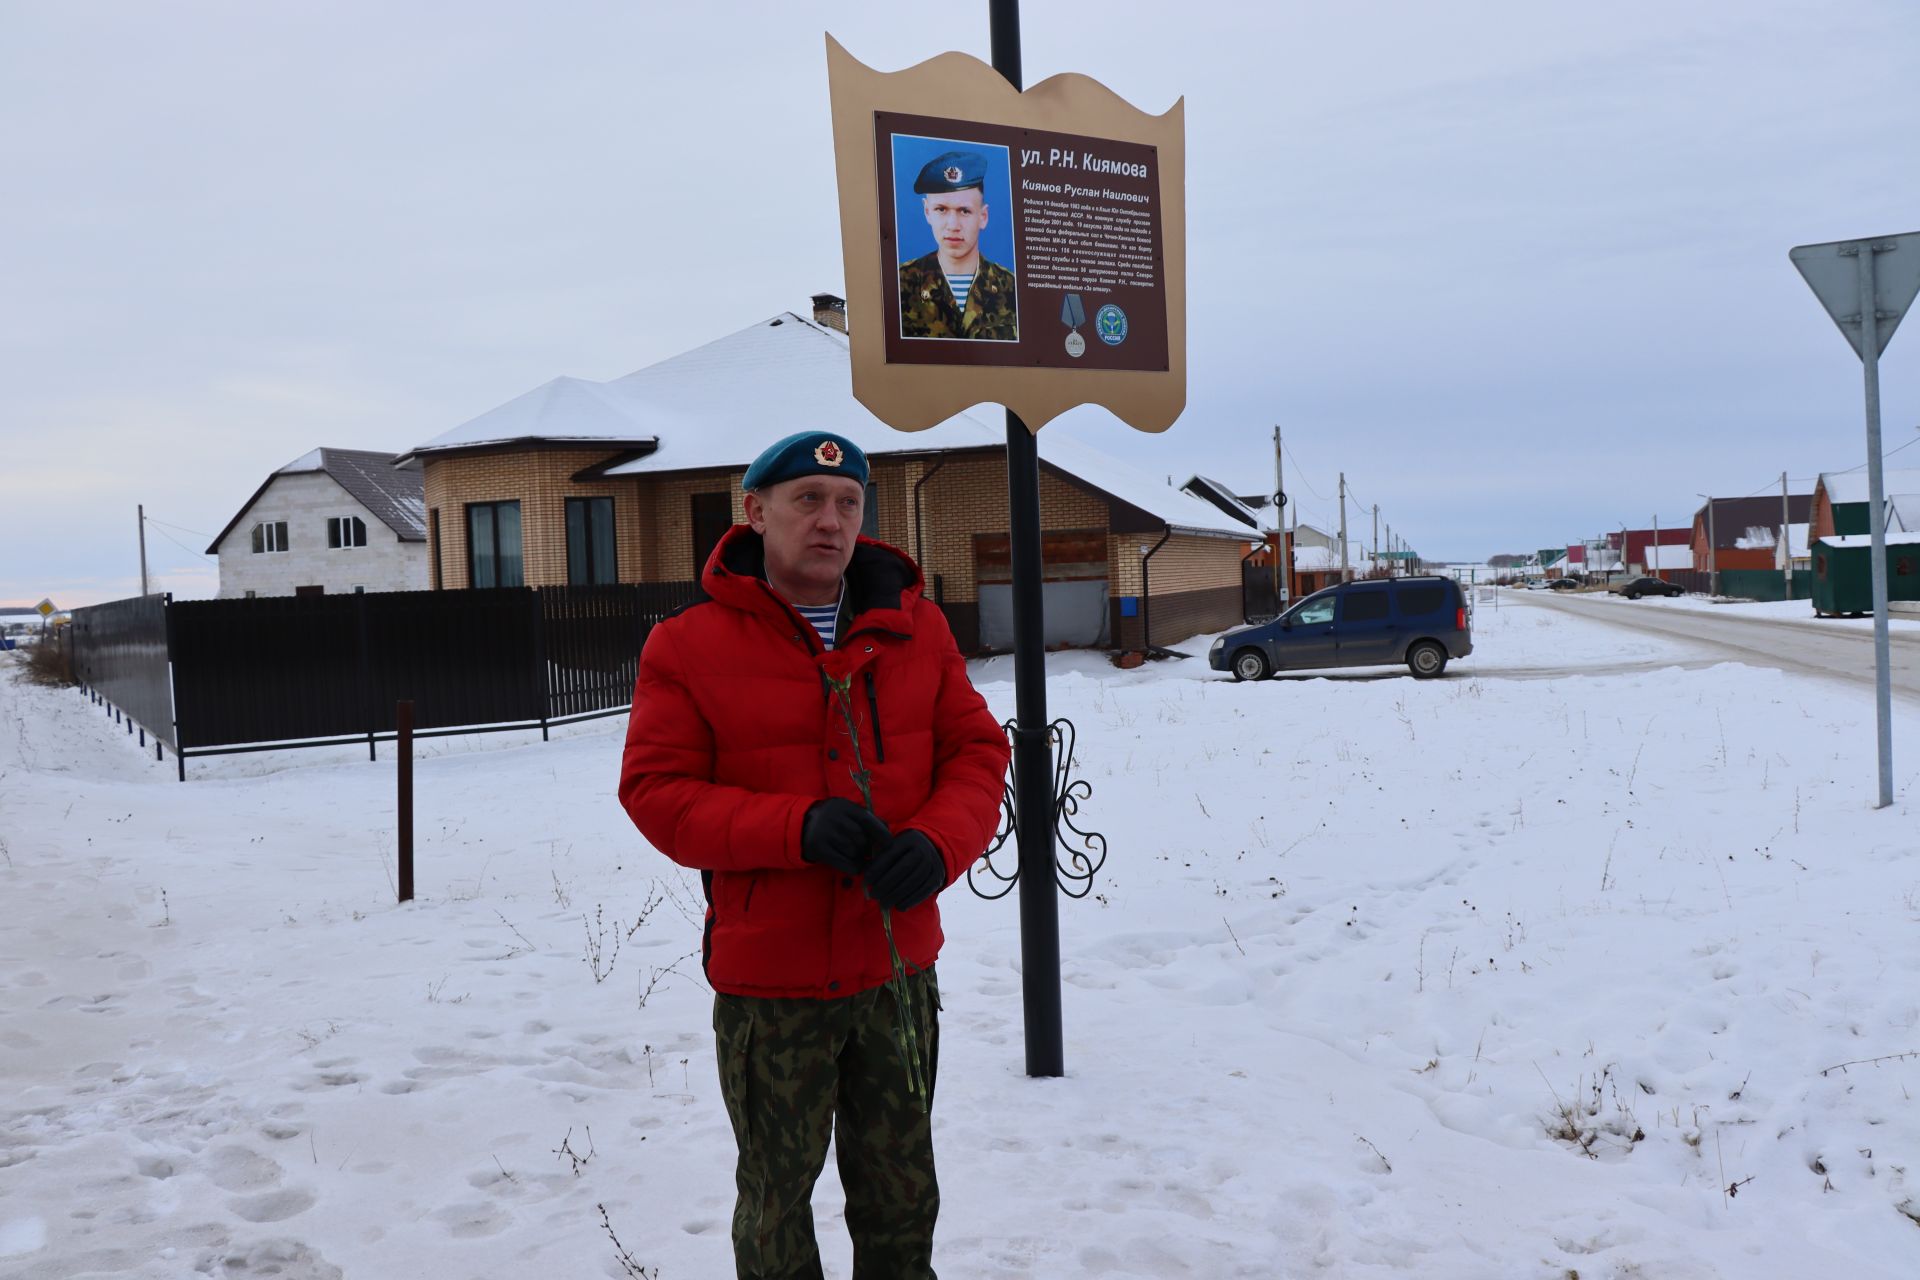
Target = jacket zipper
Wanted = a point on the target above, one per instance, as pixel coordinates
(873, 717)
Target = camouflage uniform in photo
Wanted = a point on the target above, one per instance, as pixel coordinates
(928, 309)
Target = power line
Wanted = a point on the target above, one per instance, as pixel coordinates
(176, 542)
(182, 528)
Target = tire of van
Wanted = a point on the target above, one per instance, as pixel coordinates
(1250, 664)
(1426, 660)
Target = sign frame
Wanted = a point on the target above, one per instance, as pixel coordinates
(913, 397)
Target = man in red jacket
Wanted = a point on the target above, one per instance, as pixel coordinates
(740, 763)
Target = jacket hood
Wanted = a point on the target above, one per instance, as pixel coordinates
(883, 582)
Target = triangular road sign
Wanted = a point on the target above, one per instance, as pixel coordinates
(1833, 271)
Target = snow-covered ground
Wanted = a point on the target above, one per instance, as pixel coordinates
(1511, 975)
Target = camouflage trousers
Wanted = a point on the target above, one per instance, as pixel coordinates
(793, 1073)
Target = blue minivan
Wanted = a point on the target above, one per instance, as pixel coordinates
(1422, 622)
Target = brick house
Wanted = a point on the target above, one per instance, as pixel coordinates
(332, 520)
(636, 479)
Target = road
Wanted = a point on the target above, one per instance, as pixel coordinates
(1844, 653)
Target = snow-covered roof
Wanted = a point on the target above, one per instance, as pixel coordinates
(1851, 486)
(1210, 490)
(715, 407)
(392, 492)
(1903, 513)
(1866, 540)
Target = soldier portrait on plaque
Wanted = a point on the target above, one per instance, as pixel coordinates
(953, 225)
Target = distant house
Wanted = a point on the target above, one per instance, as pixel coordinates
(1720, 526)
(1659, 551)
(333, 520)
(1840, 500)
(637, 479)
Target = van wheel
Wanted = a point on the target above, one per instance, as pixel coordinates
(1427, 659)
(1249, 664)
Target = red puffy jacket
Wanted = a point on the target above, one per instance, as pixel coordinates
(733, 736)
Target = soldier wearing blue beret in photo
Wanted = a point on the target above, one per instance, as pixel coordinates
(954, 292)
(807, 739)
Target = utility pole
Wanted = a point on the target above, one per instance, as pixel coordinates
(142, 509)
(1376, 535)
(1344, 576)
(1655, 551)
(1786, 536)
(1279, 519)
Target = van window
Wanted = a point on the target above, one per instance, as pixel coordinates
(1420, 601)
(1364, 606)
(1315, 611)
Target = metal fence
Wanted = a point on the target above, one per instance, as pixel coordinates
(300, 671)
(119, 651)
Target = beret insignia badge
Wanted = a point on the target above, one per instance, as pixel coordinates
(828, 454)
(952, 173)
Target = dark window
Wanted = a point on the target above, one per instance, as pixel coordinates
(433, 524)
(1418, 602)
(870, 515)
(712, 517)
(270, 536)
(346, 531)
(590, 556)
(1363, 606)
(1903, 567)
(310, 591)
(493, 545)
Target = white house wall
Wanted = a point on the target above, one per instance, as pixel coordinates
(306, 501)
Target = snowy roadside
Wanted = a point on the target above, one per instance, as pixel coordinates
(1510, 974)
(1800, 611)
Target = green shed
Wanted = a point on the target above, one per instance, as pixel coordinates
(1843, 572)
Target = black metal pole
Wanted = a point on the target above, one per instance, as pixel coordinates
(403, 724)
(1032, 748)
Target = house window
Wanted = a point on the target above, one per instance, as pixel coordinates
(270, 535)
(590, 556)
(712, 517)
(250, 594)
(870, 514)
(493, 544)
(433, 524)
(346, 531)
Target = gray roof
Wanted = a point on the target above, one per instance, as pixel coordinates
(394, 495)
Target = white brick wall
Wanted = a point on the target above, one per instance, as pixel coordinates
(305, 501)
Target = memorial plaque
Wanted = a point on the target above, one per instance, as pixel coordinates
(1021, 248)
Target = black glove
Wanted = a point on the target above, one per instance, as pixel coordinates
(906, 873)
(841, 834)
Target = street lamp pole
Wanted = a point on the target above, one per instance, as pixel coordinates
(1713, 550)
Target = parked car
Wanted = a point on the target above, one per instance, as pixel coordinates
(1564, 584)
(1422, 622)
(1634, 588)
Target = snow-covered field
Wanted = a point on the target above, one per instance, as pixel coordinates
(1511, 975)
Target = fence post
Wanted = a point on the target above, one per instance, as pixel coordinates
(173, 647)
(543, 678)
(403, 718)
(366, 673)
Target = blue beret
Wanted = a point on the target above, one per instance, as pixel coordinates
(954, 171)
(807, 453)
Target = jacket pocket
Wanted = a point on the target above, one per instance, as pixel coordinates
(746, 900)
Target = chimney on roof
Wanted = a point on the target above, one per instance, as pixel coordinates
(830, 310)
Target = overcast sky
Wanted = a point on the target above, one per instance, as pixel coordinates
(1518, 268)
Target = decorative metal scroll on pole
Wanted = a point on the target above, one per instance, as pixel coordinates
(1078, 853)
